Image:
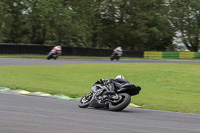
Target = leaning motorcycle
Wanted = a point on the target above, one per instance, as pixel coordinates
(115, 55)
(102, 97)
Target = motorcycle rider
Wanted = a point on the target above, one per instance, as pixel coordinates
(113, 83)
(113, 94)
(57, 50)
(119, 51)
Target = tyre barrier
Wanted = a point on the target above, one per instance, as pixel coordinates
(172, 55)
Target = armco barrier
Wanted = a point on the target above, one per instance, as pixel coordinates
(69, 51)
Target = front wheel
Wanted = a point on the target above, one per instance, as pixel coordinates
(121, 104)
(111, 58)
(49, 56)
(85, 100)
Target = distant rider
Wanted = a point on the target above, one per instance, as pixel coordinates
(119, 51)
(54, 53)
(57, 50)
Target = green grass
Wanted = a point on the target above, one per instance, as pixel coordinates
(165, 86)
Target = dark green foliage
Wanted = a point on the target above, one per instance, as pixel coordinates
(185, 18)
(132, 24)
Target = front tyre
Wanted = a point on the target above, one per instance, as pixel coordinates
(49, 56)
(121, 104)
(111, 58)
(85, 100)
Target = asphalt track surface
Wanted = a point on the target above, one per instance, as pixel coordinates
(32, 114)
(17, 61)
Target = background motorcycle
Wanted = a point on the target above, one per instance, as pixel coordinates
(115, 55)
(102, 97)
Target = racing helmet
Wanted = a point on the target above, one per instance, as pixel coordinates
(59, 48)
(120, 77)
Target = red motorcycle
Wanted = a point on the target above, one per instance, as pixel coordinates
(54, 53)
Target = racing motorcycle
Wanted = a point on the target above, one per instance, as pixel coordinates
(115, 55)
(102, 96)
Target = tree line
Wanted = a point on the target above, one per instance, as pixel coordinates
(131, 24)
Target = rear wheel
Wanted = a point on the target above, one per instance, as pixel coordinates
(124, 101)
(85, 100)
(55, 57)
(118, 58)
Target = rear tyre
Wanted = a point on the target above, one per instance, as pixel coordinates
(122, 104)
(118, 58)
(55, 57)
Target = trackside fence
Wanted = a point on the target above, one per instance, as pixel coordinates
(68, 51)
(79, 51)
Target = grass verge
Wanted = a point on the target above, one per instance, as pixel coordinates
(165, 86)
